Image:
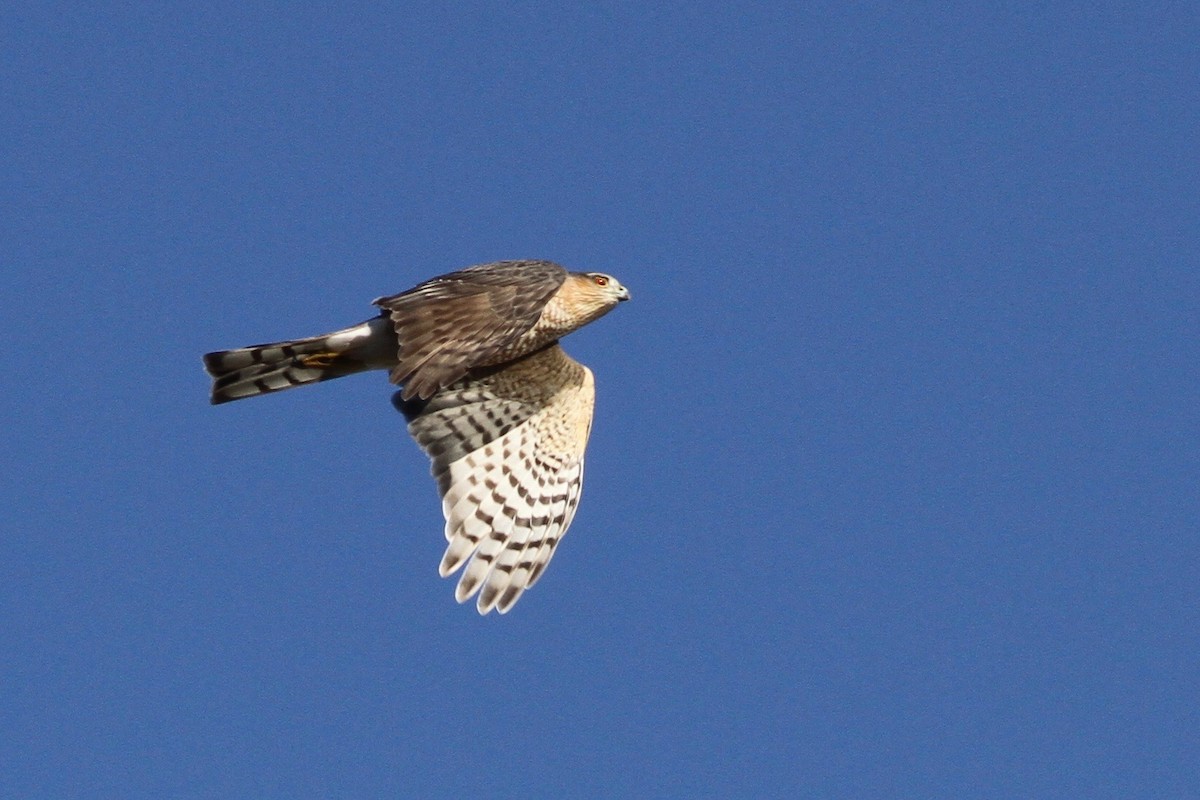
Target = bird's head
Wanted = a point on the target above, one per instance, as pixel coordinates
(587, 296)
(601, 289)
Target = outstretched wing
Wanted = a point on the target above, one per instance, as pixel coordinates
(507, 447)
(466, 319)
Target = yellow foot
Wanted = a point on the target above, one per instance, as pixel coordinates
(318, 360)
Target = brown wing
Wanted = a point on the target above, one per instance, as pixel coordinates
(466, 319)
(507, 445)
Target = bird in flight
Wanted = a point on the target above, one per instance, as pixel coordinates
(502, 412)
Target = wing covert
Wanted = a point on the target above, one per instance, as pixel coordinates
(465, 319)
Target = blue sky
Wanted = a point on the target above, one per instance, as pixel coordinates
(893, 482)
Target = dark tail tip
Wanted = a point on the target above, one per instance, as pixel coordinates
(212, 362)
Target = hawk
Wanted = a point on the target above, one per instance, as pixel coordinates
(502, 412)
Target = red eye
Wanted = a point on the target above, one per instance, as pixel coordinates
(600, 280)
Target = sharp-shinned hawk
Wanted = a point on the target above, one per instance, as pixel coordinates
(500, 409)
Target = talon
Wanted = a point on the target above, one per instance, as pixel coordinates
(318, 360)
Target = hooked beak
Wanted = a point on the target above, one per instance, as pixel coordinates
(623, 294)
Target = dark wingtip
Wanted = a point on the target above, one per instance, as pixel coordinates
(410, 408)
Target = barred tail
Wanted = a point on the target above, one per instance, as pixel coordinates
(265, 368)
